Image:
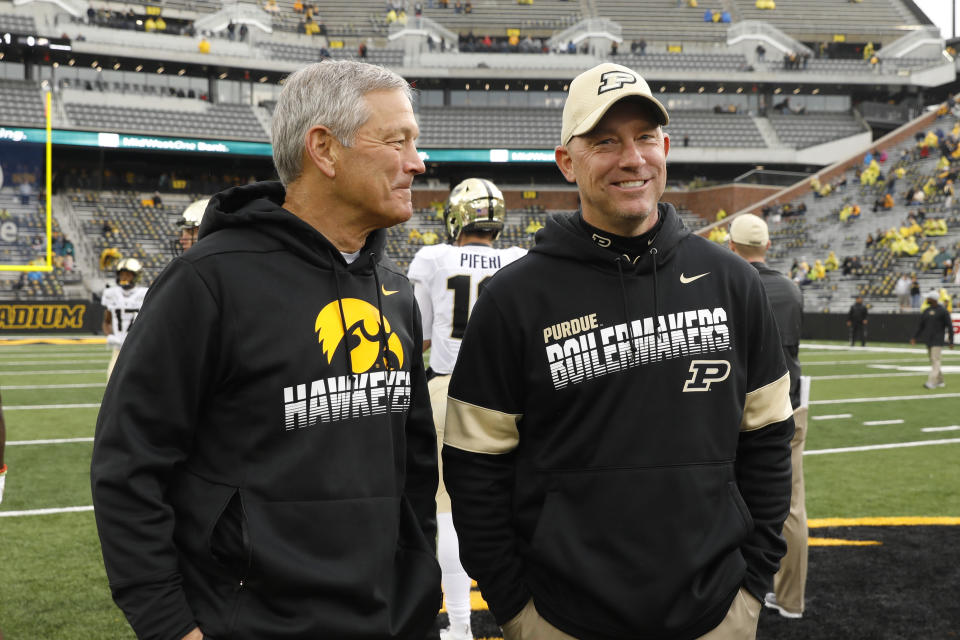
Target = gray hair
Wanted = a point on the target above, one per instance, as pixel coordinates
(328, 93)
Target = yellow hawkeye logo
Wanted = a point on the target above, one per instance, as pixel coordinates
(364, 336)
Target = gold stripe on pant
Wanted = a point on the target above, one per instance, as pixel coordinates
(790, 582)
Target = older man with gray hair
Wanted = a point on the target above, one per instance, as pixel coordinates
(265, 461)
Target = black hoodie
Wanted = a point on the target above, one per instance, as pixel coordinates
(628, 479)
(253, 477)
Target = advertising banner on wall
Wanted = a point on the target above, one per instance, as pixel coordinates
(72, 316)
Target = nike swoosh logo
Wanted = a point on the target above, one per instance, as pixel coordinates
(685, 280)
(385, 292)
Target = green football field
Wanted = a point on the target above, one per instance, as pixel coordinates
(878, 445)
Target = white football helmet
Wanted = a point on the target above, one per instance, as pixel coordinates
(475, 204)
(189, 226)
(132, 267)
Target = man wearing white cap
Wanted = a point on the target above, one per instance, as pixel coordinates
(935, 325)
(617, 442)
(750, 239)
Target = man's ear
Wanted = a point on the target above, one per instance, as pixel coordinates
(321, 148)
(565, 163)
(666, 143)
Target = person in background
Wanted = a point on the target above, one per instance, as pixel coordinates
(189, 226)
(750, 239)
(121, 305)
(857, 322)
(934, 330)
(447, 279)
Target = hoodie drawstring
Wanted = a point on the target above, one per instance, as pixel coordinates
(626, 309)
(384, 345)
(656, 298)
(346, 341)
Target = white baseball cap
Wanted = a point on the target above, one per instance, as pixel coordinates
(594, 91)
(750, 230)
(933, 294)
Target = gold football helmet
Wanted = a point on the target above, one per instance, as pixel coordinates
(189, 226)
(131, 266)
(475, 204)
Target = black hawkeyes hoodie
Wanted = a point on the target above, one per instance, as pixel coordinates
(617, 444)
(264, 463)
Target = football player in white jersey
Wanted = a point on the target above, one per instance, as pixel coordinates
(446, 281)
(189, 224)
(121, 306)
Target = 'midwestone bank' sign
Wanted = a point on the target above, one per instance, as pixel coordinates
(67, 317)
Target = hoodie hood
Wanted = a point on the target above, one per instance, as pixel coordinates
(565, 237)
(260, 206)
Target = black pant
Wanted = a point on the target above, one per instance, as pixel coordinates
(858, 330)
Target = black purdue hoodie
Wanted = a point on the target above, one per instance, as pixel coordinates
(617, 444)
(264, 463)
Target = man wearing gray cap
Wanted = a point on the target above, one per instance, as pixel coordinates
(934, 327)
(617, 444)
(750, 239)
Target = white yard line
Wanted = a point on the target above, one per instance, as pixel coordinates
(52, 372)
(32, 387)
(866, 362)
(935, 396)
(45, 357)
(51, 441)
(872, 375)
(874, 447)
(44, 512)
(839, 347)
(32, 407)
(834, 416)
(952, 427)
(6, 363)
(876, 423)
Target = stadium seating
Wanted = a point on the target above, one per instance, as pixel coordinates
(806, 130)
(29, 248)
(814, 19)
(21, 104)
(230, 121)
(17, 23)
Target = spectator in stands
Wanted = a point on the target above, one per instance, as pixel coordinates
(761, 52)
(857, 322)
(934, 326)
(902, 290)
(914, 292)
(26, 189)
(341, 501)
(831, 263)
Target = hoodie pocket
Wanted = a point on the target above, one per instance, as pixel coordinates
(627, 551)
